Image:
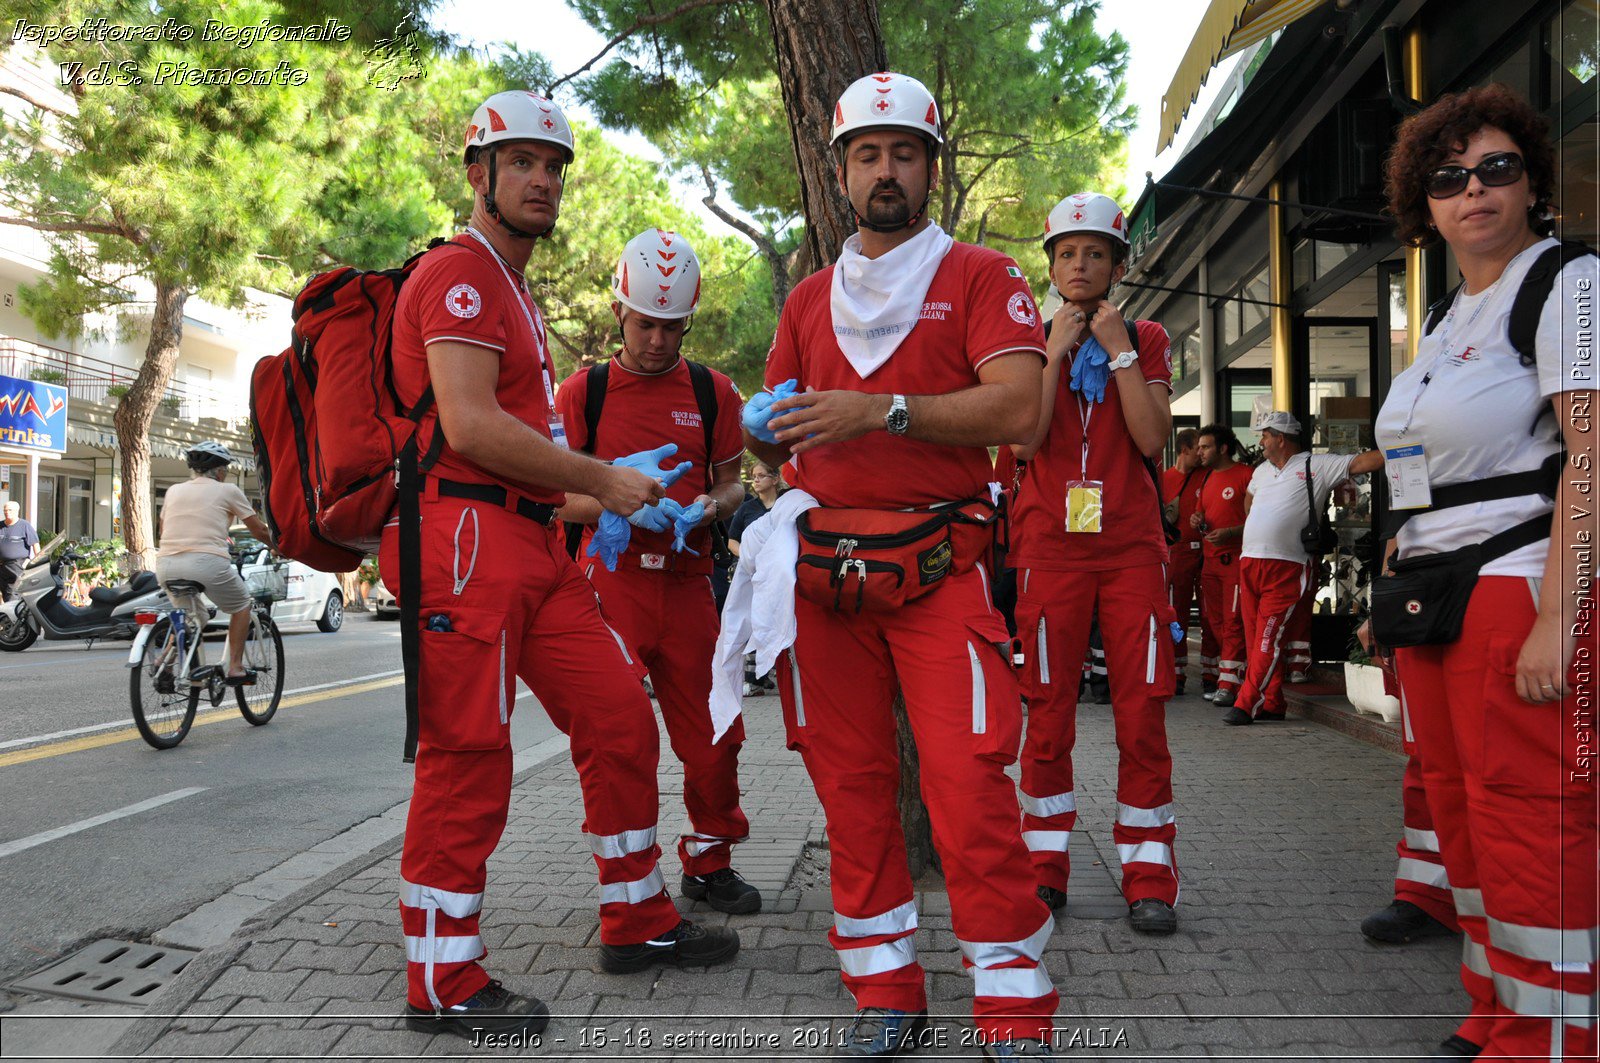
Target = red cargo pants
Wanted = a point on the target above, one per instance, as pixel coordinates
(669, 620)
(1183, 579)
(948, 653)
(1219, 596)
(1053, 614)
(1271, 592)
(1512, 790)
(516, 606)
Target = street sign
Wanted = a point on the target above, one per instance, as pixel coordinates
(33, 416)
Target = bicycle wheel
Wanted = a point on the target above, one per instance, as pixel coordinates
(163, 702)
(263, 654)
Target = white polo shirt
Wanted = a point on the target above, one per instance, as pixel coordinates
(1478, 412)
(1279, 507)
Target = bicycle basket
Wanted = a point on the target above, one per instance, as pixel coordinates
(267, 584)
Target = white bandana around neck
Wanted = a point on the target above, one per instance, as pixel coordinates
(876, 302)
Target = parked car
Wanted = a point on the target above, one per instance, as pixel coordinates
(383, 604)
(308, 595)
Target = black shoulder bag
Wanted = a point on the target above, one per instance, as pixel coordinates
(1317, 537)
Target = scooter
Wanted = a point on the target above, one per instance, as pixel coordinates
(41, 608)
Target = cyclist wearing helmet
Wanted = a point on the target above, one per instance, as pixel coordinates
(913, 354)
(1087, 540)
(659, 598)
(195, 518)
(499, 599)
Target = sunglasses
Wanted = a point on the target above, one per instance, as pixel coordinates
(1501, 168)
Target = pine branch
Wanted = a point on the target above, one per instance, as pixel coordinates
(755, 236)
(645, 22)
(95, 228)
(40, 104)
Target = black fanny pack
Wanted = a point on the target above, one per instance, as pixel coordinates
(1424, 601)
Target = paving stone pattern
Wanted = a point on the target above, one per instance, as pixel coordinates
(1286, 840)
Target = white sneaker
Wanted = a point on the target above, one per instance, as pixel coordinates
(751, 690)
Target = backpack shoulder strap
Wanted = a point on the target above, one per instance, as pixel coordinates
(1437, 309)
(594, 400)
(1523, 326)
(705, 396)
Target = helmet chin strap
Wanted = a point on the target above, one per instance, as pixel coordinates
(493, 210)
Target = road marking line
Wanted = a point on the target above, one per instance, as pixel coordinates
(94, 821)
(114, 724)
(23, 756)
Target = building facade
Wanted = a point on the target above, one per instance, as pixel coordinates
(1264, 250)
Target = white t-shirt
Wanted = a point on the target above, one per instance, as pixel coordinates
(1478, 412)
(196, 515)
(1279, 507)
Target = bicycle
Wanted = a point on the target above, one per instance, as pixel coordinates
(169, 673)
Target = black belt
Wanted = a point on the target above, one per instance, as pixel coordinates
(538, 512)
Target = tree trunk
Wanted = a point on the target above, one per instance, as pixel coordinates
(822, 46)
(134, 414)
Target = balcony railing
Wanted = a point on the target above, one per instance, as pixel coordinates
(96, 380)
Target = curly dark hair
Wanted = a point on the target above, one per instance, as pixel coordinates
(1222, 436)
(1426, 138)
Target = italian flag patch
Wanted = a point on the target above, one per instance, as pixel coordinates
(1012, 271)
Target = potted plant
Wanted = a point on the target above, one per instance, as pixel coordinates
(1363, 685)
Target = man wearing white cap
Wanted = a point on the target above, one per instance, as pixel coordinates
(1274, 566)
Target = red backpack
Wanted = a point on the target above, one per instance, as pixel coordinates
(328, 425)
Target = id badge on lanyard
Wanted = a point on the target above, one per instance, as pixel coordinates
(1407, 471)
(1085, 497)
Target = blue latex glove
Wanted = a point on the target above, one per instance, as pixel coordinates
(610, 539)
(654, 517)
(649, 461)
(758, 411)
(688, 518)
(1090, 371)
(1177, 632)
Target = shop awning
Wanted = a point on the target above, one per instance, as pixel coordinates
(1228, 26)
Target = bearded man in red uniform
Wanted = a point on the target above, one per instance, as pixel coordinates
(913, 354)
(658, 597)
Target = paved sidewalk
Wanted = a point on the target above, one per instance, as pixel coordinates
(1286, 840)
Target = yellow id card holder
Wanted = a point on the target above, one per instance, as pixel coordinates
(1084, 498)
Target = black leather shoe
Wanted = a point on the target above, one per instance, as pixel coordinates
(1053, 897)
(1224, 697)
(724, 890)
(1456, 1047)
(1402, 923)
(494, 1009)
(686, 945)
(1236, 717)
(1150, 916)
(882, 1032)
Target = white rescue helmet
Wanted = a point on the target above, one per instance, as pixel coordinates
(658, 275)
(886, 101)
(1086, 212)
(519, 115)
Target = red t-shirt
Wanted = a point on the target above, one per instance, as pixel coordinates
(643, 412)
(1222, 503)
(1172, 481)
(1130, 525)
(978, 307)
(462, 293)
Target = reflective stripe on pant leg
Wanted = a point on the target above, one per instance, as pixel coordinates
(1422, 872)
(1145, 853)
(1010, 969)
(1044, 836)
(875, 944)
(1425, 841)
(625, 843)
(1545, 944)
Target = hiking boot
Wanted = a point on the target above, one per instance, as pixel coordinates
(1236, 717)
(494, 1009)
(882, 1032)
(1053, 897)
(724, 890)
(1150, 916)
(1402, 923)
(1224, 697)
(1019, 1048)
(1456, 1047)
(686, 945)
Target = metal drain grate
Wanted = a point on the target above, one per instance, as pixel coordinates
(110, 971)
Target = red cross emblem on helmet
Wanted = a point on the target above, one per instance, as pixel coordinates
(548, 124)
(1077, 215)
(661, 300)
(881, 105)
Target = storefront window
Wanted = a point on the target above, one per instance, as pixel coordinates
(80, 506)
(49, 518)
(1572, 39)
(1340, 387)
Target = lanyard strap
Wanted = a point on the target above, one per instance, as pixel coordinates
(536, 329)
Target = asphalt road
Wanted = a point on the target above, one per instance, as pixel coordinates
(68, 753)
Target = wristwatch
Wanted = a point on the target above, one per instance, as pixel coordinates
(898, 419)
(1123, 360)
